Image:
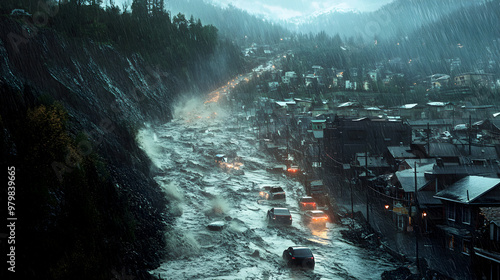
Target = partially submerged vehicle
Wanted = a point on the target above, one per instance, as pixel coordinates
(272, 193)
(279, 216)
(299, 256)
(318, 192)
(315, 218)
(307, 203)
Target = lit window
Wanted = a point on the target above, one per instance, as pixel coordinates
(451, 243)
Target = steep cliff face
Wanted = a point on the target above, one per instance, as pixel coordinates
(95, 197)
(84, 75)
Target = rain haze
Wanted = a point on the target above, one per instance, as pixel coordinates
(286, 9)
(266, 140)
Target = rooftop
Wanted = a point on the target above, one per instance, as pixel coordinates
(473, 190)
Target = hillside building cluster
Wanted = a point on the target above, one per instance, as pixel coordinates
(433, 168)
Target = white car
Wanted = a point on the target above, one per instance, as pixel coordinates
(272, 193)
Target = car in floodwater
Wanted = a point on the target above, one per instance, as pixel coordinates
(279, 216)
(307, 203)
(216, 226)
(293, 170)
(318, 192)
(299, 256)
(272, 193)
(315, 218)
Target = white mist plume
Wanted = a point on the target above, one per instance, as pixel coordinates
(147, 140)
(194, 108)
(175, 195)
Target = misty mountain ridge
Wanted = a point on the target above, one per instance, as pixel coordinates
(396, 18)
(296, 22)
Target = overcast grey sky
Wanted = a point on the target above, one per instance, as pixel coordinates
(285, 9)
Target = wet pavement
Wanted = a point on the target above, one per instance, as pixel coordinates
(402, 245)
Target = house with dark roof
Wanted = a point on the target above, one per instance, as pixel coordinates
(347, 109)
(409, 163)
(345, 137)
(375, 164)
(403, 157)
(488, 130)
(409, 111)
(462, 205)
(400, 152)
(454, 162)
(407, 182)
(487, 245)
(437, 110)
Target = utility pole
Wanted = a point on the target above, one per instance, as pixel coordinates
(470, 134)
(352, 200)
(428, 132)
(366, 190)
(319, 152)
(415, 229)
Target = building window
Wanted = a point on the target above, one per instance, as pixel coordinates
(451, 242)
(466, 247)
(451, 212)
(466, 215)
(492, 232)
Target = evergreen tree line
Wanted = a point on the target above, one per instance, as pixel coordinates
(233, 23)
(173, 42)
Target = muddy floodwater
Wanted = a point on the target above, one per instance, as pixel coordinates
(203, 191)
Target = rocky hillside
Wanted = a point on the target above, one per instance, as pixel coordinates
(69, 110)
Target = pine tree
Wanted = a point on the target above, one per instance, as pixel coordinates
(140, 9)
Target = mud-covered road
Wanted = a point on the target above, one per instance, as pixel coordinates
(203, 192)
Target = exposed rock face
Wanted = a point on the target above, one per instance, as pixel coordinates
(108, 97)
(92, 80)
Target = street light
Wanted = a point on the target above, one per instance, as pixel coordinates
(386, 207)
(424, 216)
